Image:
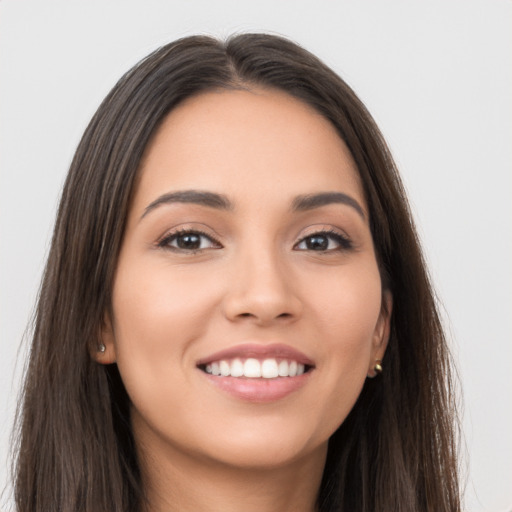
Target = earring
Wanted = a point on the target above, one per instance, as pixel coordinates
(378, 366)
(101, 348)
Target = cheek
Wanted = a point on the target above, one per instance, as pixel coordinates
(347, 306)
(156, 302)
(346, 316)
(157, 315)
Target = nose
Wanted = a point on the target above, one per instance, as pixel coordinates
(261, 290)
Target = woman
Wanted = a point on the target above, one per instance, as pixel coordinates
(233, 263)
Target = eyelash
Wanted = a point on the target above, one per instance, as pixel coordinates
(343, 242)
(166, 241)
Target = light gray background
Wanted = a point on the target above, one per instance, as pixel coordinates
(435, 74)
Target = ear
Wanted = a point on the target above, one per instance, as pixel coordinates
(104, 352)
(381, 333)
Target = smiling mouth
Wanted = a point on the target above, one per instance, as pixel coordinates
(252, 368)
(258, 373)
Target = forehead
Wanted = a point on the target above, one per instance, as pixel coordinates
(236, 141)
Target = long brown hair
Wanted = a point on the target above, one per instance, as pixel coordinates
(396, 451)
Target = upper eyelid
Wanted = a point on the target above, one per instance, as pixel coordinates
(322, 229)
(333, 234)
(200, 229)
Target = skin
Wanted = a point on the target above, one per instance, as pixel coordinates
(254, 278)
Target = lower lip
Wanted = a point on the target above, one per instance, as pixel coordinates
(259, 390)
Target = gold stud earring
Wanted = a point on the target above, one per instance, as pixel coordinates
(378, 366)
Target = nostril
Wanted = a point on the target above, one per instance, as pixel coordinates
(281, 315)
(250, 315)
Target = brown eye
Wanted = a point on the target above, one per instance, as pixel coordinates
(324, 241)
(317, 243)
(189, 241)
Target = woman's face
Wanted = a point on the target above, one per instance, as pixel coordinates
(247, 252)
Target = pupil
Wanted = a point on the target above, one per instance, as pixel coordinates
(190, 241)
(317, 243)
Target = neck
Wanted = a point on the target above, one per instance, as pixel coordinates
(178, 482)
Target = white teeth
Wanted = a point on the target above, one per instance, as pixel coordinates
(215, 369)
(283, 369)
(225, 370)
(237, 368)
(252, 368)
(269, 369)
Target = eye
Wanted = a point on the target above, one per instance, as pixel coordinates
(189, 240)
(324, 241)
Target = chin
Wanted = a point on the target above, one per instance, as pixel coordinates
(264, 447)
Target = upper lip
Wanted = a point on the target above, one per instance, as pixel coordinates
(258, 351)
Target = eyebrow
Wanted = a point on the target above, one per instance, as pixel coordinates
(209, 199)
(221, 202)
(311, 201)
